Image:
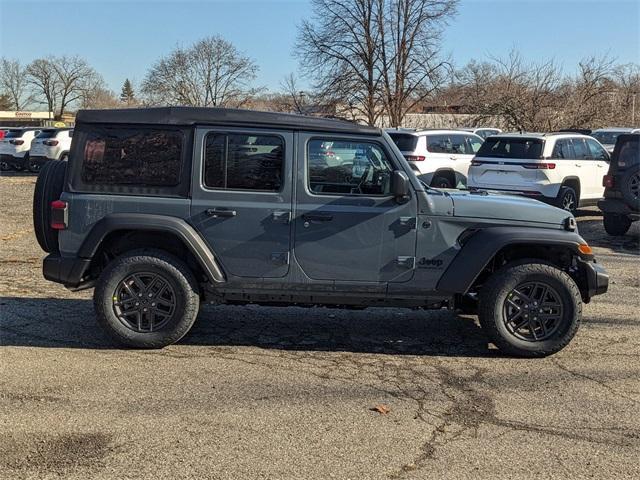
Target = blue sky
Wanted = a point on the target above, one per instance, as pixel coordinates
(121, 38)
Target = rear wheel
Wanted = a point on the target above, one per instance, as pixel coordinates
(5, 167)
(616, 225)
(34, 166)
(568, 199)
(530, 309)
(146, 299)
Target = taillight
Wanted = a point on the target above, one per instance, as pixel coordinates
(539, 166)
(415, 158)
(59, 215)
(16, 142)
(50, 143)
(608, 181)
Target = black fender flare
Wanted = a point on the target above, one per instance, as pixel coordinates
(159, 223)
(480, 248)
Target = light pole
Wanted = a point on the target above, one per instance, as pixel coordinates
(633, 109)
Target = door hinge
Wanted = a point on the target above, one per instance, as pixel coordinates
(406, 262)
(280, 258)
(409, 222)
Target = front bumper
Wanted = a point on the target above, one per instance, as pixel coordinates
(596, 276)
(69, 271)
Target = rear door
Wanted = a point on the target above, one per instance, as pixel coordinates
(348, 226)
(241, 198)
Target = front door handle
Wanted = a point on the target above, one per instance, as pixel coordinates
(578, 165)
(317, 217)
(220, 212)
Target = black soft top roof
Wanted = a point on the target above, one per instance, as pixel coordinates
(220, 116)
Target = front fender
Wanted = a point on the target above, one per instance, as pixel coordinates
(482, 246)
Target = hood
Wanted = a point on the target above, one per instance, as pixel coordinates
(506, 207)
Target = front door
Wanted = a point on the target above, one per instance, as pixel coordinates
(598, 166)
(348, 226)
(241, 199)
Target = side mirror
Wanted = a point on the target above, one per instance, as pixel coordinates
(400, 185)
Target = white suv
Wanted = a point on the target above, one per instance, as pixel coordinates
(49, 144)
(441, 157)
(14, 148)
(483, 132)
(559, 168)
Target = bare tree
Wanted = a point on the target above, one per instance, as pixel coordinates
(62, 82)
(212, 72)
(410, 63)
(13, 83)
(295, 98)
(339, 48)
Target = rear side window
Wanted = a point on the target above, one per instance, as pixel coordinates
(562, 150)
(501, 147)
(243, 162)
(580, 149)
(139, 157)
(404, 142)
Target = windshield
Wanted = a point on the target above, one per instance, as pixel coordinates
(14, 134)
(606, 138)
(405, 142)
(500, 147)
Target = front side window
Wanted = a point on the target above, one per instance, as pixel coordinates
(349, 168)
(472, 145)
(132, 156)
(243, 162)
(597, 152)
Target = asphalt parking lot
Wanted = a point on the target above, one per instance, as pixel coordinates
(257, 392)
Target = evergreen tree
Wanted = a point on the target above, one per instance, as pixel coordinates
(127, 96)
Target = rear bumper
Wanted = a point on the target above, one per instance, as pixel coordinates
(617, 207)
(11, 160)
(69, 271)
(40, 159)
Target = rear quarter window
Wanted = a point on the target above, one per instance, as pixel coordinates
(131, 160)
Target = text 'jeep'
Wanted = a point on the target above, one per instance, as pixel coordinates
(161, 209)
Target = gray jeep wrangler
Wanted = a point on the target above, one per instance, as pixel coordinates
(161, 209)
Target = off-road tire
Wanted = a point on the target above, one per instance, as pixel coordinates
(441, 182)
(494, 295)
(616, 225)
(173, 271)
(561, 199)
(48, 188)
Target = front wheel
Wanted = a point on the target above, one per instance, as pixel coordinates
(146, 299)
(530, 309)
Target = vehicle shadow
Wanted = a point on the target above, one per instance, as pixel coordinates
(13, 173)
(70, 323)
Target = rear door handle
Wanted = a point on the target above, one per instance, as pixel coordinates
(220, 212)
(317, 217)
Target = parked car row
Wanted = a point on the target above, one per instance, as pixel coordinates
(564, 169)
(29, 148)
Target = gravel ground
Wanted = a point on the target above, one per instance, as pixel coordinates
(288, 392)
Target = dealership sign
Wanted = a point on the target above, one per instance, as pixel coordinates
(26, 115)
